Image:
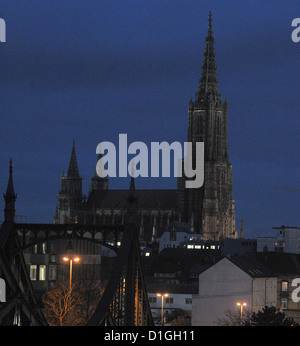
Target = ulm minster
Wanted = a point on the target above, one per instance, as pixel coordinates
(134, 242)
(208, 210)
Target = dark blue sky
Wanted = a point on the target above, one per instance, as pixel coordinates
(92, 69)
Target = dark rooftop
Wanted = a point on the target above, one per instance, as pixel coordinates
(147, 199)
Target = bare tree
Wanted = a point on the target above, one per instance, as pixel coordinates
(63, 306)
(85, 295)
(180, 321)
(233, 318)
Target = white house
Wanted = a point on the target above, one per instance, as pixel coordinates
(229, 281)
(179, 298)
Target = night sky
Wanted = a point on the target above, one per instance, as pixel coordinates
(89, 70)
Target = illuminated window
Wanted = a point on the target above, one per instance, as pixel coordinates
(42, 273)
(284, 286)
(43, 248)
(33, 269)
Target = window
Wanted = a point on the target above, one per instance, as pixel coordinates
(284, 286)
(188, 300)
(33, 269)
(169, 300)
(284, 303)
(42, 273)
(152, 300)
(43, 248)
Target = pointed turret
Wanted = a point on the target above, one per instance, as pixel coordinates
(208, 84)
(73, 166)
(10, 196)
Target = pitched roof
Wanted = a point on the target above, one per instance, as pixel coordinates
(270, 264)
(251, 266)
(279, 262)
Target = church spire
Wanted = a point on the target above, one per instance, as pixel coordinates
(73, 166)
(208, 84)
(10, 196)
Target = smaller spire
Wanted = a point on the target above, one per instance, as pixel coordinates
(10, 186)
(10, 196)
(73, 166)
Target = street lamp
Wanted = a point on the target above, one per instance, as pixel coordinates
(70, 258)
(162, 295)
(241, 305)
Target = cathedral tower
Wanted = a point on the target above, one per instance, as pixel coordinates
(211, 207)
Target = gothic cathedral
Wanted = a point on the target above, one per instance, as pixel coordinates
(208, 210)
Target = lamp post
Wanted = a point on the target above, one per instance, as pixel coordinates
(241, 305)
(70, 258)
(162, 295)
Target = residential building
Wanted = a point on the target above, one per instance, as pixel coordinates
(178, 300)
(257, 279)
(287, 240)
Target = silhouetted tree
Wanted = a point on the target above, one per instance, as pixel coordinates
(269, 316)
